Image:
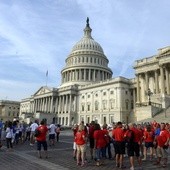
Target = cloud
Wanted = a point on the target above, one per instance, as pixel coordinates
(36, 36)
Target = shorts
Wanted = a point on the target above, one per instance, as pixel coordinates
(51, 136)
(149, 144)
(44, 143)
(119, 147)
(133, 149)
(81, 148)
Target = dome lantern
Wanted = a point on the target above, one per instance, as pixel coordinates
(87, 30)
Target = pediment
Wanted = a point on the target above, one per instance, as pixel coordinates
(42, 90)
(164, 51)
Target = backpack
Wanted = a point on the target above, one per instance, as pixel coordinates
(36, 133)
(130, 136)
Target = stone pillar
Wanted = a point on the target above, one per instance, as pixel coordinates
(80, 74)
(51, 107)
(56, 105)
(59, 105)
(162, 80)
(167, 80)
(134, 98)
(66, 108)
(156, 82)
(89, 77)
(84, 74)
(138, 89)
(70, 103)
(146, 81)
(102, 76)
(94, 74)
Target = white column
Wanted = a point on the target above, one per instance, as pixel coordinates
(66, 108)
(156, 82)
(70, 103)
(94, 74)
(56, 105)
(59, 105)
(51, 108)
(138, 89)
(84, 74)
(162, 80)
(167, 80)
(89, 75)
(146, 81)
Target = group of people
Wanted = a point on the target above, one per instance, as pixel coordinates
(15, 132)
(133, 140)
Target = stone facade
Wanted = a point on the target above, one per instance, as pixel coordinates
(9, 110)
(88, 91)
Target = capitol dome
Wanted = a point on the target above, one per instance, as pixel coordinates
(87, 62)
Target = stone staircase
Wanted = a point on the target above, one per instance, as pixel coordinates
(163, 116)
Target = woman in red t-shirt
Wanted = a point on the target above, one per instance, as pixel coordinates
(41, 138)
(148, 139)
(99, 143)
(80, 139)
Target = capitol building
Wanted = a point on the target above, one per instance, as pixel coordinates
(88, 91)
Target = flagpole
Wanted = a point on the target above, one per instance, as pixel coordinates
(46, 78)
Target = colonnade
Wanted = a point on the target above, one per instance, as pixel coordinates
(44, 104)
(85, 75)
(156, 80)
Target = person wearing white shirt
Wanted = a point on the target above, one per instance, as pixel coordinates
(9, 136)
(33, 127)
(52, 129)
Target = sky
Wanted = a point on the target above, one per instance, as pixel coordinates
(38, 35)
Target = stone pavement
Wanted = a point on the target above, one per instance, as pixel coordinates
(24, 157)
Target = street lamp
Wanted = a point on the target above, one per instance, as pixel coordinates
(149, 96)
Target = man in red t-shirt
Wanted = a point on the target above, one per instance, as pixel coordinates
(118, 135)
(41, 138)
(91, 138)
(163, 143)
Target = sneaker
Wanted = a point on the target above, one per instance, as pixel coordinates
(132, 168)
(156, 163)
(98, 164)
(117, 165)
(78, 163)
(144, 159)
(82, 164)
(122, 167)
(164, 165)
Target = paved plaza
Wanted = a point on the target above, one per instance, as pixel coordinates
(24, 157)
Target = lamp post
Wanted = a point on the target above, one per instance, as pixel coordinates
(149, 96)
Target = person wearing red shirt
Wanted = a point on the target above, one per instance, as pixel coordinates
(108, 140)
(75, 129)
(91, 138)
(41, 138)
(163, 144)
(133, 139)
(99, 144)
(80, 139)
(118, 135)
(148, 139)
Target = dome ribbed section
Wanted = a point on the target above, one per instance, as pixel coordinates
(87, 42)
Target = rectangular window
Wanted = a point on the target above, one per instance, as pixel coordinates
(82, 107)
(88, 107)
